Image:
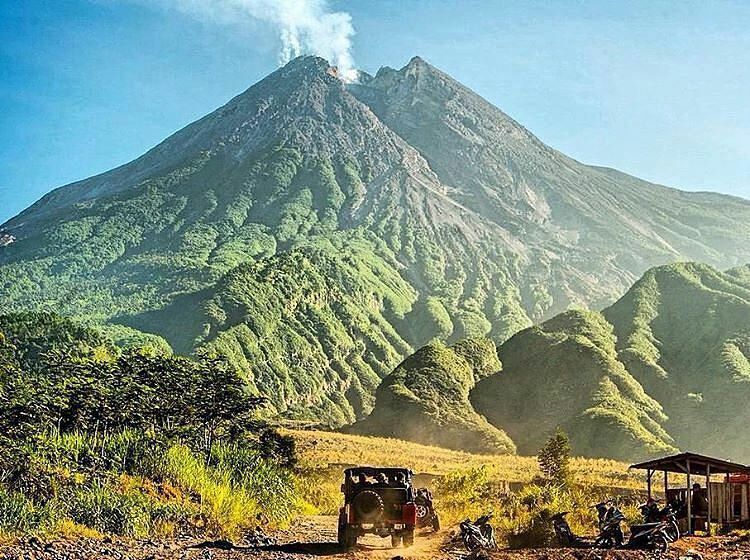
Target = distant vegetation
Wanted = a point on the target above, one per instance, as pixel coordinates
(662, 368)
(565, 372)
(99, 440)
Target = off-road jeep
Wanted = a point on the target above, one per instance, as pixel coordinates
(378, 501)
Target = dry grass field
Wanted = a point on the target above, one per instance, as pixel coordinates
(465, 484)
(319, 450)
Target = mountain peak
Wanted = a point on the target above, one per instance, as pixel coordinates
(308, 65)
(416, 61)
(433, 215)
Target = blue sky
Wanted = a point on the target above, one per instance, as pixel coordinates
(656, 89)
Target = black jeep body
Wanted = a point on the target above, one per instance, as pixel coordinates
(426, 514)
(379, 501)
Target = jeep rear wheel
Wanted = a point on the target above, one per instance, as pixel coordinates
(436, 523)
(351, 539)
(368, 506)
(347, 537)
(408, 537)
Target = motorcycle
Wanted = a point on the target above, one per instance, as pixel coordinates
(563, 533)
(653, 514)
(646, 536)
(478, 534)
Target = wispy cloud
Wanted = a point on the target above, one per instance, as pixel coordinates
(304, 26)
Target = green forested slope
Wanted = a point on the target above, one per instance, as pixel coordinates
(566, 373)
(426, 399)
(668, 365)
(312, 327)
(317, 233)
(684, 333)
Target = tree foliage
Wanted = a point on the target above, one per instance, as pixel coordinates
(554, 458)
(58, 380)
(89, 433)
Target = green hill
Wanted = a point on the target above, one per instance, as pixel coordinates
(684, 333)
(426, 399)
(667, 366)
(566, 373)
(312, 327)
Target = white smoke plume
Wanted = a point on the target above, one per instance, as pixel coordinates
(304, 26)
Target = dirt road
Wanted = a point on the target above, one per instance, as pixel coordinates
(314, 538)
(310, 538)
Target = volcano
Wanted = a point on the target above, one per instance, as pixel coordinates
(315, 233)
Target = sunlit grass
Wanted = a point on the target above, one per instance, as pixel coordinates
(322, 450)
(468, 485)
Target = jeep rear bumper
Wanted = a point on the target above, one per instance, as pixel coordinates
(382, 529)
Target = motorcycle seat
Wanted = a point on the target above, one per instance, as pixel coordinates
(643, 526)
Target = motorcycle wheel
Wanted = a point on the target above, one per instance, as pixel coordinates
(659, 543)
(471, 544)
(672, 532)
(395, 540)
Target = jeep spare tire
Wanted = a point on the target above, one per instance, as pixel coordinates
(368, 506)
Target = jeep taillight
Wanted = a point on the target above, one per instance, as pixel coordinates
(409, 514)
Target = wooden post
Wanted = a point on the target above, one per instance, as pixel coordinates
(688, 497)
(649, 473)
(708, 498)
(728, 505)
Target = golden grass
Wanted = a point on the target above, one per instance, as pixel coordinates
(467, 485)
(68, 529)
(322, 451)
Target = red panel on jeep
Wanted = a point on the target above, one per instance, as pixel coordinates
(409, 514)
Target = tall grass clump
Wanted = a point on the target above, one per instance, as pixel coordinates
(463, 494)
(269, 484)
(224, 508)
(20, 514)
(236, 489)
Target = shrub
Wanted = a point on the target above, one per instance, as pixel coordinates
(462, 494)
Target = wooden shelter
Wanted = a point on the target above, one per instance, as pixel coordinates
(727, 500)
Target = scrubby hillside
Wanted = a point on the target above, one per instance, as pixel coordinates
(683, 332)
(426, 399)
(312, 327)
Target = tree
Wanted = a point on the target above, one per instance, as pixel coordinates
(554, 458)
